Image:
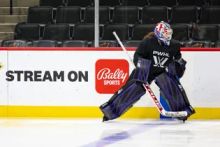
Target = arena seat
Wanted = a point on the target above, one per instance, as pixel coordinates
(104, 15)
(181, 32)
(210, 15)
(140, 30)
(140, 3)
(126, 14)
(214, 2)
(56, 32)
(40, 14)
(75, 43)
(52, 3)
(168, 3)
(120, 29)
(106, 43)
(14, 43)
(24, 31)
(109, 2)
(132, 43)
(71, 14)
(154, 14)
(81, 3)
(83, 32)
(184, 14)
(205, 32)
(191, 2)
(44, 43)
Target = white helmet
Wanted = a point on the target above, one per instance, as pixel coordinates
(163, 32)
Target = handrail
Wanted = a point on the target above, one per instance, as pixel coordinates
(11, 7)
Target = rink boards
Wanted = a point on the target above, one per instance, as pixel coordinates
(74, 82)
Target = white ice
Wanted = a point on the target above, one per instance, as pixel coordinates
(118, 133)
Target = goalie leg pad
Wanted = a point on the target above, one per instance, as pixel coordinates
(122, 100)
(172, 91)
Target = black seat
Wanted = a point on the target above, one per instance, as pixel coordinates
(154, 14)
(198, 44)
(140, 30)
(180, 32)
(126, 14)
(104, 15)
(205, 32)
(184, 14)
(42, 14)
(217, 44)
(81, 3)
(140, 3)
(214, 2)
(109, 2)
(24, 31)
(44, 43)
(14, 43)
(120, 29)
(56, 32)
(84, 32)
(68, 14)
(106, 43)
(210, 15)
(191, 2)
(52, 3)
(75, 43)
(169, 3)
(132, 43)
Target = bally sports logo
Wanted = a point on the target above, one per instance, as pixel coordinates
(111, 74)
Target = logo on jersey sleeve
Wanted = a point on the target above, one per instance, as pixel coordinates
(110, 74)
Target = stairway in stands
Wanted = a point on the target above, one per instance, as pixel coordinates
(7, 21)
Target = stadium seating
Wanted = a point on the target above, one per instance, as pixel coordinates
(24, 31)
(140, 3)
(57, 32)
(184, 14)
(132, 43)
(81, 3)
(84, 32)
(209, 15)
(109, 2)
(104, 15)
(69, 15)
(140, 30)
(14, 43)
(191, 2)
(181, 32)
(44, 43)
(195, 22)
(205, 32)
(40, 14)
(52, 3)
(121, 29)
(169, 3)
(126, 14)
(154, 14)
(75, 43)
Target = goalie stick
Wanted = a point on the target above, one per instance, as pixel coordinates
(148, 89)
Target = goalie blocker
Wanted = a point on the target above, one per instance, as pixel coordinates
(170, 88)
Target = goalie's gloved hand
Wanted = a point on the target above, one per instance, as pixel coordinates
(180, 66)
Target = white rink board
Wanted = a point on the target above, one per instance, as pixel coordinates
(201, 80)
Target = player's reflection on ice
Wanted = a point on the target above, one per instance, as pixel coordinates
(114, 136)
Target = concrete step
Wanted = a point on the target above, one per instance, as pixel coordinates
(13, 18)
(19, 3)
(6, 35)
(16, 10)
(5, 3)
(7, 27)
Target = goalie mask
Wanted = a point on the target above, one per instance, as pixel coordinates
(163, 32)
